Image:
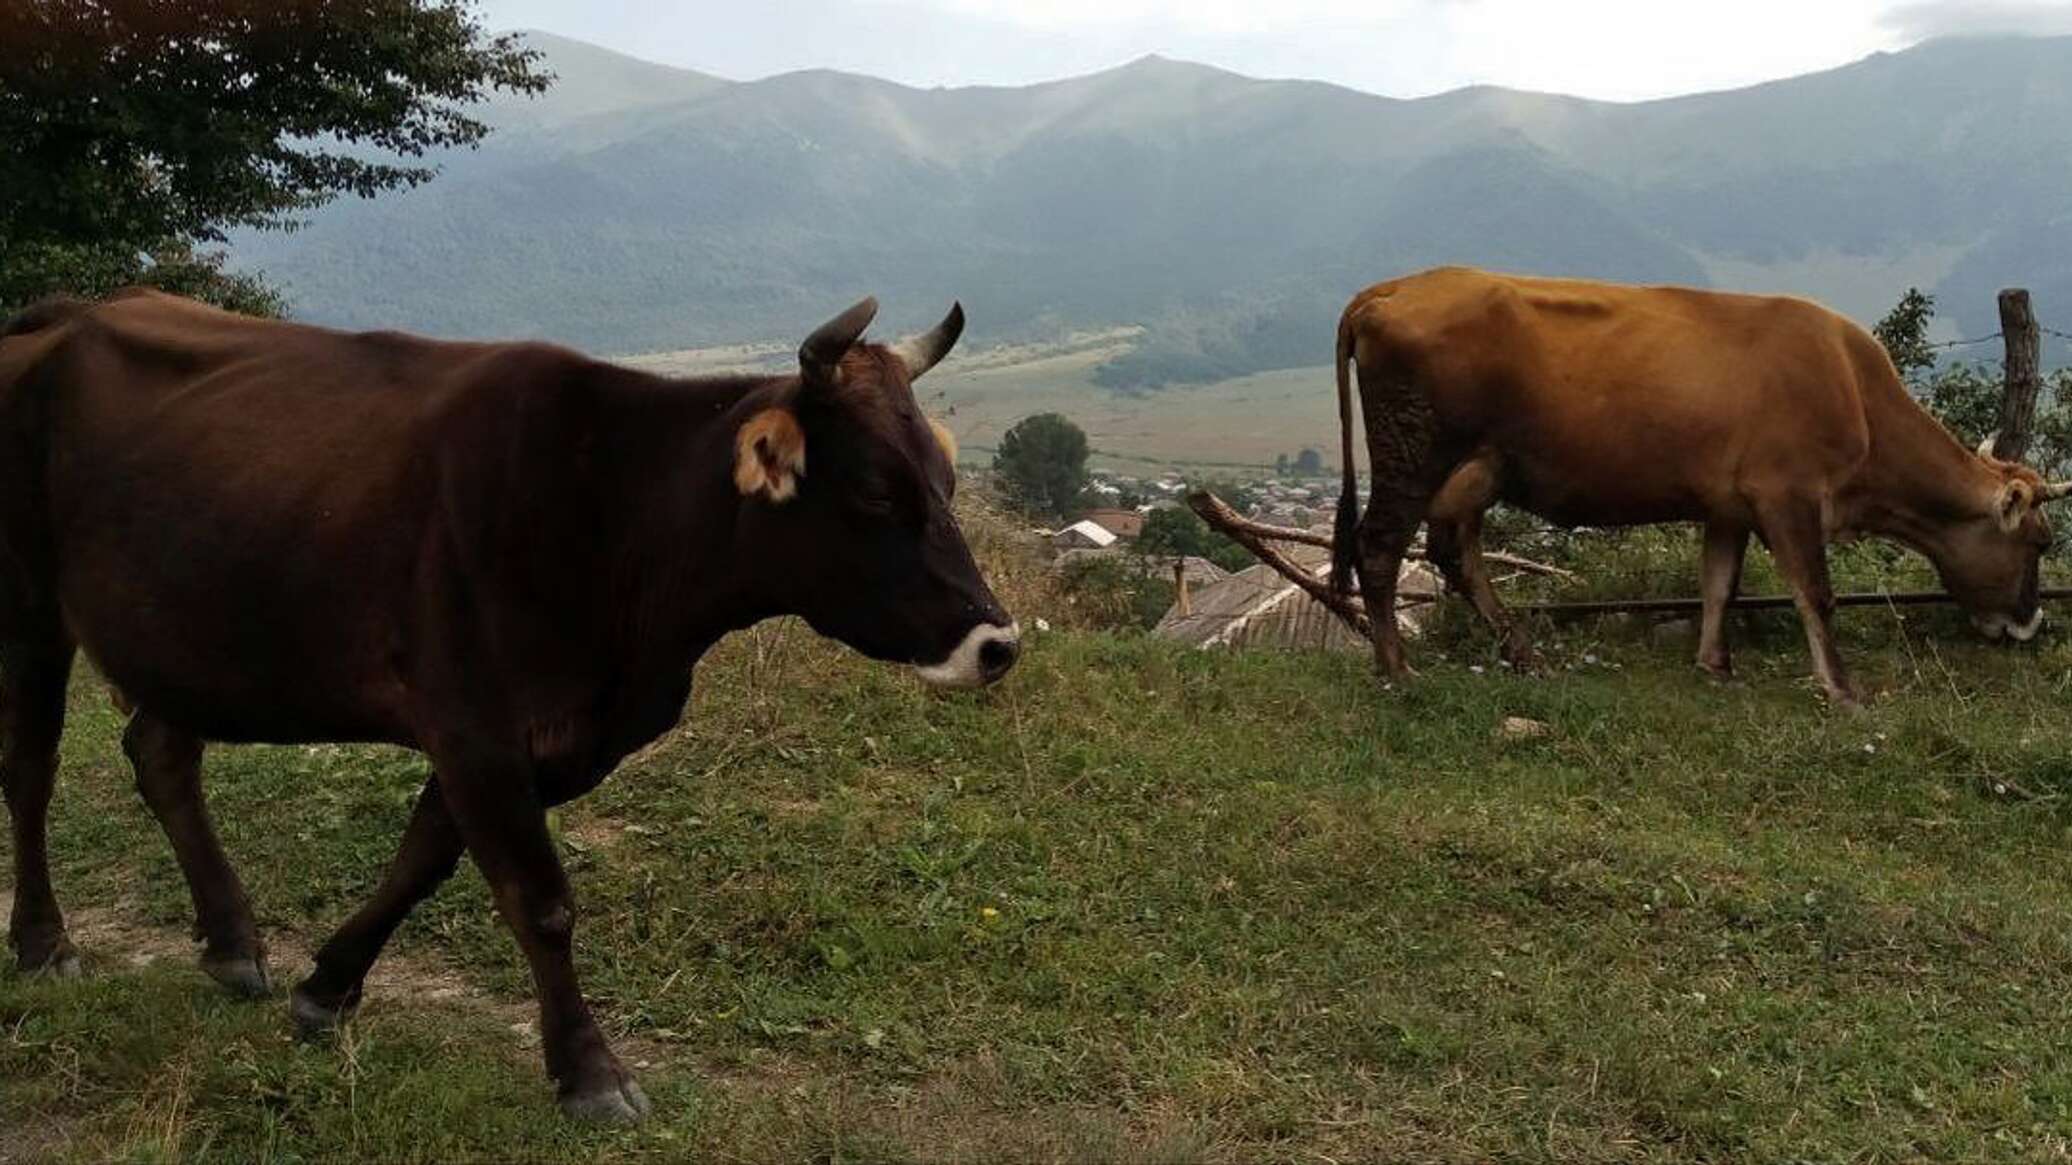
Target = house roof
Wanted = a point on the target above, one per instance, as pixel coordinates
(1257, 607)
(1126, 523)
(1093, 532)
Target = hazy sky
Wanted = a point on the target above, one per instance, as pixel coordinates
(1616, 49)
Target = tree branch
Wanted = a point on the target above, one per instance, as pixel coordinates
(1246, 533)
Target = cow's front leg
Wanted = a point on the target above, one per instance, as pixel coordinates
(1454, 543)
(1799, 546)
(502, 818)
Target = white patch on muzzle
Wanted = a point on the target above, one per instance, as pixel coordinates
(2024, 632)
(1995, 626)
(960, 669)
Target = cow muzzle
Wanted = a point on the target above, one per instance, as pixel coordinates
(987, 653)
(1996, 627)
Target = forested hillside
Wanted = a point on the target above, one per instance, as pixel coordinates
(638, 207)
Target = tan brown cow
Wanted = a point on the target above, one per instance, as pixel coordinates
(1606, 405)
(508, 556)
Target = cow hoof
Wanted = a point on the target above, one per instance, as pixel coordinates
(60, 962)
(315, 1019)
(242, 976)
(620, 1102)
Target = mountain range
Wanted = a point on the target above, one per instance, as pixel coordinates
(638, 207)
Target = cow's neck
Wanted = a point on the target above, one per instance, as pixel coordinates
(1919, 480)
(679, 588)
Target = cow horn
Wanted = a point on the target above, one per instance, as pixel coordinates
(923, 352)
(824, 349)
(1985, 447)
(2056, 491)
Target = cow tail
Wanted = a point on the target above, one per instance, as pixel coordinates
(1346, 532)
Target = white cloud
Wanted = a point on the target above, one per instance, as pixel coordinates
(1928, 18)
(1644, 48)
(1601, 48)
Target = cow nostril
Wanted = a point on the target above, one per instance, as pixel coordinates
(996, 656)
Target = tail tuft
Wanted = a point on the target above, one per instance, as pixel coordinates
(1345, 538)
(1345, 534)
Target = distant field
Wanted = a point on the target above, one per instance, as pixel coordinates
(1248, 421)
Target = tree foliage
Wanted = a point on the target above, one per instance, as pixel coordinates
(1904, 332)
(134, 133)
(1041, 465)
(1173, 532)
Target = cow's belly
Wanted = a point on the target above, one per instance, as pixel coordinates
(1574, 492)
(239, 695)
(234, 649)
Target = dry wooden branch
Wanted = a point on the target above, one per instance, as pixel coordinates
(1530, 567)
(1219, 515)
(1231, 522)
(1234, 522)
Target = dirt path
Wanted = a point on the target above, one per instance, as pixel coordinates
(111, 937)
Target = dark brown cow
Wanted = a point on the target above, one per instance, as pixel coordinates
(1604, 405)
(508, 556)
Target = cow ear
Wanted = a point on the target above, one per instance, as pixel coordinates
(2015, 501)
(770, 456)
(820, 357)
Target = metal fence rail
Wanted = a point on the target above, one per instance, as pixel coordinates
(1752, 603)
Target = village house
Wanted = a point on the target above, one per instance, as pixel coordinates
(1125, 524)
(1083, 535)
(1257, 607)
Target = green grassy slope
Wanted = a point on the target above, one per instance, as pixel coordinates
(1144, 903)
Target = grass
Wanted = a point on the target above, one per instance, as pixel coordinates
(1142, 903)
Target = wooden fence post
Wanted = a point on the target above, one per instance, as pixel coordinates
(2024, 354)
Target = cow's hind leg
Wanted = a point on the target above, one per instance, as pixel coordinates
(430, 851)
(1402, 452)
(167, 761)
(1455, 546)
(1385, 535)
(33, 679)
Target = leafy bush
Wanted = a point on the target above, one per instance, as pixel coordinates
(1117, 593)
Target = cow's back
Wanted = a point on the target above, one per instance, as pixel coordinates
(1615, 404)
(268, 481)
